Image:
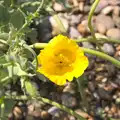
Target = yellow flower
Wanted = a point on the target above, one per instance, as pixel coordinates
(62, 59)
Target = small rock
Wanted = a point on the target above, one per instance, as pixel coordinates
(87, 45)
(116, 11)
(18, 114)
(70, 88)
(29, 117)
(116, 20)
(91, 86)
(107, 109)
(75, 19)
(114, 33)
(82, 29)
(111, 69)
(86, 9)
(113, 108)
(58, 7)
(113, 2)
(55, 26)
(30, 108)
(107, 10)
(44, 115)
(103, 19)
(102, 4)
(108, 48)
(71, 117)
(74, 33)
(101, 28)
(54, 111)
(81, 6)
(37, 114)
(69, 100)
(104, 95)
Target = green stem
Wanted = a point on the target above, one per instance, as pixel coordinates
(90, 21)
(45, 100)
(12, 3)
(86, 50)
(102, 55)
(90, 18)
(38, 45)
(35, 14)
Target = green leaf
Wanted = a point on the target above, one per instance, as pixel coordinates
(6, 108)
(4, 36)
(17, 19)
(30, 88)
(16, 70)
(4, 15)
(3, 71)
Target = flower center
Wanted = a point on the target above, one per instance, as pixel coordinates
(63, 60)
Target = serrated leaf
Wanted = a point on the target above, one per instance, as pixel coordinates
(30, 88)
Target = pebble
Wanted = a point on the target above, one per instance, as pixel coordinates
(18, 114)
(111, 69)
(37, 114)
(54, 111)
(70, 87)
(103, 19)
(116, 20)
(86, 8)
(82, 29)
(88, 45)
(55, 26)
(81, 6)
(44, 115)
(106, 109)
(58, 7)
(102, 4)
(101, 28)
(75, 19)
(69, 100)
(29, 117)
(104, 95)
(113, 108)
(71, 117)
(91, 86)
(114, 2)
(108, 48)
(116, 11)
(114, 33)
(107, 10)
(74, 33)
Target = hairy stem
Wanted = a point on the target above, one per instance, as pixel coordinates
(90, 21)
(102, 55)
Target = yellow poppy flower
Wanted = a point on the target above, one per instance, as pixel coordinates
(61, 60)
